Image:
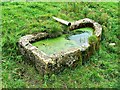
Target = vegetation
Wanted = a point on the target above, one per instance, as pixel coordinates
(19, 19)
(93, 39)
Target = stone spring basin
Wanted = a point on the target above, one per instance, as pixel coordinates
(73, 54)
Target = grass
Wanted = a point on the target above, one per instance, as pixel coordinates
(19, 19)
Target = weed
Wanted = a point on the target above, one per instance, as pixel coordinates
(93, 39)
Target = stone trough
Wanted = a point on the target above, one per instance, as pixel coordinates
(47, 64)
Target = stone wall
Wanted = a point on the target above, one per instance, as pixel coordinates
(57, 62)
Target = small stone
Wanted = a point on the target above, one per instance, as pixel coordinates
(112, 44)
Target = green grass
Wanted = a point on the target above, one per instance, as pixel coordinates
(19, 19)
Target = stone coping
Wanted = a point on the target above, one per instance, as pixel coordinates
(55, 63)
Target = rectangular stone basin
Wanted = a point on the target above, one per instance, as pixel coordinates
(51, 55)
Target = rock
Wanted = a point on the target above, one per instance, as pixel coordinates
(112, 44)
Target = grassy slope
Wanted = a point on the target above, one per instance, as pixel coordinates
(19, 19)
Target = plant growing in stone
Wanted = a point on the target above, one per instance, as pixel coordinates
(93, 40)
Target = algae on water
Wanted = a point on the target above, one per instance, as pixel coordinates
(81, 30)
(56, 45)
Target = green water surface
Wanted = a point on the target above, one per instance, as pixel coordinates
(87, 29)
(55, 45)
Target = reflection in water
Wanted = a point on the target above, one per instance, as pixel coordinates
(59, 44)
(81, 39)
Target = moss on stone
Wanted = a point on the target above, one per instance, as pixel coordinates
(92, 39)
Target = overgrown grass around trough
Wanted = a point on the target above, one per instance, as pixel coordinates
(19, 19)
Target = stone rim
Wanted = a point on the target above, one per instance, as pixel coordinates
(42, 60)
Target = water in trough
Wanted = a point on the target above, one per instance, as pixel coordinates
(56, 45)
